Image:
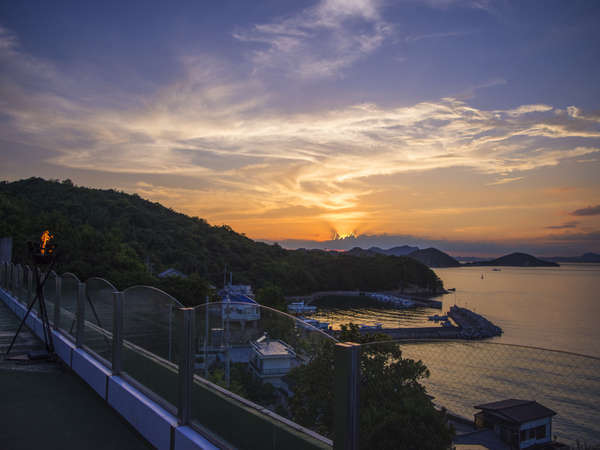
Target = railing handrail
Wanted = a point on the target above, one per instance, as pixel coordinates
(467, 342)
(139, 286)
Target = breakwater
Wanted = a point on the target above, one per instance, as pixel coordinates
(467, 325)
(417, 300)
(473, 325)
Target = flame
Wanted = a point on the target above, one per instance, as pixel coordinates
(44, 239)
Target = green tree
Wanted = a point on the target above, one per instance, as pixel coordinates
(395, 411)
(272, 296)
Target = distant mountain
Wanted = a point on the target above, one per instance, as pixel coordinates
(585, 258)
(516, 260)
(361, 252)
(395, 251)
(433, 257)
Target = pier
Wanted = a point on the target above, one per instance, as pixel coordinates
(469, 325)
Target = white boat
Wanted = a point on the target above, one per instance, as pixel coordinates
(314, 323)
(300, 307)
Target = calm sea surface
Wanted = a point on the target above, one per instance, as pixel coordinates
(555, 308)
(552, 307)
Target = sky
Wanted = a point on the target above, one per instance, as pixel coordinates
(470, 125)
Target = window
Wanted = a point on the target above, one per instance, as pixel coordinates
(540, 432)
(531, 433)
(523, 435)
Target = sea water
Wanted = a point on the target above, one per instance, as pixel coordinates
(551, 320)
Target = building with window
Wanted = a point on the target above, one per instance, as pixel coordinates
(518, 423)
(271, 359)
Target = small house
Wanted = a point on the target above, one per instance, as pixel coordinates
(518, 423)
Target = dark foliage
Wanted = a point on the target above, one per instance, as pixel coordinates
(128, 240)
(395, 411)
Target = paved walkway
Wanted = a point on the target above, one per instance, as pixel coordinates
(45, 405)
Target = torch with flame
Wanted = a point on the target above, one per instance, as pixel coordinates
(45, 238)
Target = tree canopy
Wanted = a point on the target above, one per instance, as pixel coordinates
(395, 411)
(128, 240)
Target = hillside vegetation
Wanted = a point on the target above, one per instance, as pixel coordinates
(432, 257)
(128, 240)
(516, 260)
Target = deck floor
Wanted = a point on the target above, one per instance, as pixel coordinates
(43, 404)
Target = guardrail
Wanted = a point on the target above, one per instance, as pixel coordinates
(166, 367)
(146, 339)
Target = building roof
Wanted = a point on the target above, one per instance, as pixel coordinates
(272, 347)
(517, 411)
(172, 273)
(239, 298)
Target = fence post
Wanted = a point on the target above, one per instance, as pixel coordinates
(80, 315)
(346, 376)
(186, 364)
(30, 293)
(117, 343)
(57, 298)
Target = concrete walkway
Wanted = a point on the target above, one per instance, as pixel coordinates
(45, 405)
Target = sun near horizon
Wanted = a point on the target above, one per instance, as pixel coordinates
(472, 126)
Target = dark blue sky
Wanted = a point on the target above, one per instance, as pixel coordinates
(322, 115)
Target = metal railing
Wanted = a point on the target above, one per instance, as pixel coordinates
(147, 337)
(196, 363)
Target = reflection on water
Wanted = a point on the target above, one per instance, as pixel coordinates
(550, 307)
(362, 310)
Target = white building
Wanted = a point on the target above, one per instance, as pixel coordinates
(271, 359)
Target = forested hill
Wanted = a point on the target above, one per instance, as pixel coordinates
(120, 236)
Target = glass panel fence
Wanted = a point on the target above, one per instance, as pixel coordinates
(149, 333)
(256, 371)
(464, 375)
(50, 294)
(68, 303)
(99, 317)
(3, 275)
(16, 282)
(413, 388)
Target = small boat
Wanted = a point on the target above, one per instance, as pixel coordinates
(313, 323)
(300, 307)
(452, 289)
(495, 269)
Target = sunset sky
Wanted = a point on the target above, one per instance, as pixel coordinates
(473, 126)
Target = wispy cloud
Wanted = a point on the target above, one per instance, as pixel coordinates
(320, 41)
(564, 226)
(589, 211)
(439, 35)
(250, 159)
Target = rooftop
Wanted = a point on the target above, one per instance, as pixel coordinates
(272, 347)
(517, 411)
